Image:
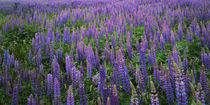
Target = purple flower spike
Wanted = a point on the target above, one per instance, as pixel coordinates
(30, 98)
(162, 43)
(114, 97)
(180, 32)
(70, 96)
(169, 89)
(200, 94)
(129, 47)
(49, 85)
(156, 72)
(123, 72)
(203, 79)
(153, 95)
(180, 87)
(15, 95)
(185, 62)
(56, 91)
(172, 39)
(81, 90)
(134, 99)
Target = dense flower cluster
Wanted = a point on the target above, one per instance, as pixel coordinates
(114, 51)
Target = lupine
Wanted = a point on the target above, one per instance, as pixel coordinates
(51, 51)
(202, 55)
(59, 55)
(68, 66)
(103, 76)
(153, 95)
(175, 55)
(114, 96)
(140, 81)
(185, 62)
(203, 79)
(189, 35)
(81, 90)
(162, 75)
(49, 85)
(99, 101)
(197, 30)
(95, 79)
(16, 65)
(180, 87)
(0, 59)
(143, 61)
(180, 32)
(156, 72)
(199, 94)
(0, 39)
(134, 99)
(123, 72)
(172, 39)
(105, 92)
(56, 91)
(70, 96)
(153, 52)
(6, 54)
(169, 89)
(56, 69)
(116, 74)
(89, 70)
(162, 43)
(15, 95)
(30, 98)
(8, 89)
(187, 80)
(194, 72)
(207, 60)
(129, 47)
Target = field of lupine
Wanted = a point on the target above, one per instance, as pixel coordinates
(105, 52)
